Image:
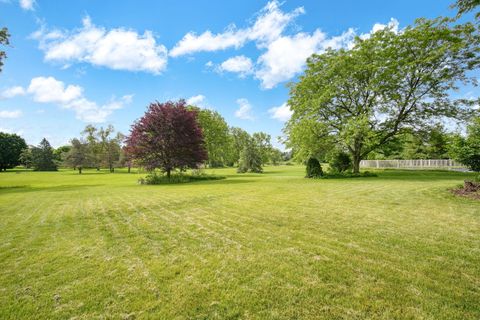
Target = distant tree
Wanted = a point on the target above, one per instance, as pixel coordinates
(239, 140)
(467, 149)
(60, 153)
(109, 147)
(90, 134)
(216, 136)
(42, 156)
(275, 156)
(125, 159)
(314, 169)
(365, 96)
(79, 156)
(465, 6)
(250, 159)
(4, 36)
(167, 137)
(287, 155)
(11, 146)
(264, 146)
(26, 158)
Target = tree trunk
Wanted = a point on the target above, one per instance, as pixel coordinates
(168, 174)
(128, 169)
(356, 163)
(79, 170)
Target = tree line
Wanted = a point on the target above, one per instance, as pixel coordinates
(104, 148)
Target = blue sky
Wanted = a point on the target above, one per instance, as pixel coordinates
(77, 62)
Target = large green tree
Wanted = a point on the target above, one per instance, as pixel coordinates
(11, 146)
(363, 97)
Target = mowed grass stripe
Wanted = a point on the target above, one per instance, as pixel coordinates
(272, 246)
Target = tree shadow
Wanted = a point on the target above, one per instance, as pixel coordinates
(60, 188)
(420, 175)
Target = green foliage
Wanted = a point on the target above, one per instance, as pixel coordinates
(216, 135)
(263, 145)
(276, 156)
(79, 156)
(339, 161)
(61, 152)
(308, 137)
(250, 159)
(314, 168)
(42, 157)
(347, 175)
(360, 99)
(465, 6)
(467, 149)
(239, 139)
(103, 146)
(4, 36)
(11, 146)
(26, 158)
(155, 178)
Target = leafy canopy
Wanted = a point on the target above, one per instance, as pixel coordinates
(360, 99)
(167, 137)
(11, 146)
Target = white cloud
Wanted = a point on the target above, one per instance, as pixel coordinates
(51, 90)
(286, 56)
(10, 114)
(12, 92)
(208, 41)
(269, 25)
(199, 101)
(27, 4)
(238, 64)
(245, 110)
(283, 57)
(118, 49)
(392, 24)
(281, 113)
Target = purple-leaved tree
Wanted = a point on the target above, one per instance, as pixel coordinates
(167, 137)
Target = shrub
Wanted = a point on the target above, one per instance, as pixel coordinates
(343, 175)
(340, 161)
(314, 169)
(155, 178)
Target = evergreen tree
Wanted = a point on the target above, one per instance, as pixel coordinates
(43, 158)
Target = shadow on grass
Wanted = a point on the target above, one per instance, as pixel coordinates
(60, 188)
(420, 175)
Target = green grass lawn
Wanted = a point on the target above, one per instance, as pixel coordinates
(269, 246)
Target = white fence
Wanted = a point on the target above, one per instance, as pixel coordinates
(413, 164)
